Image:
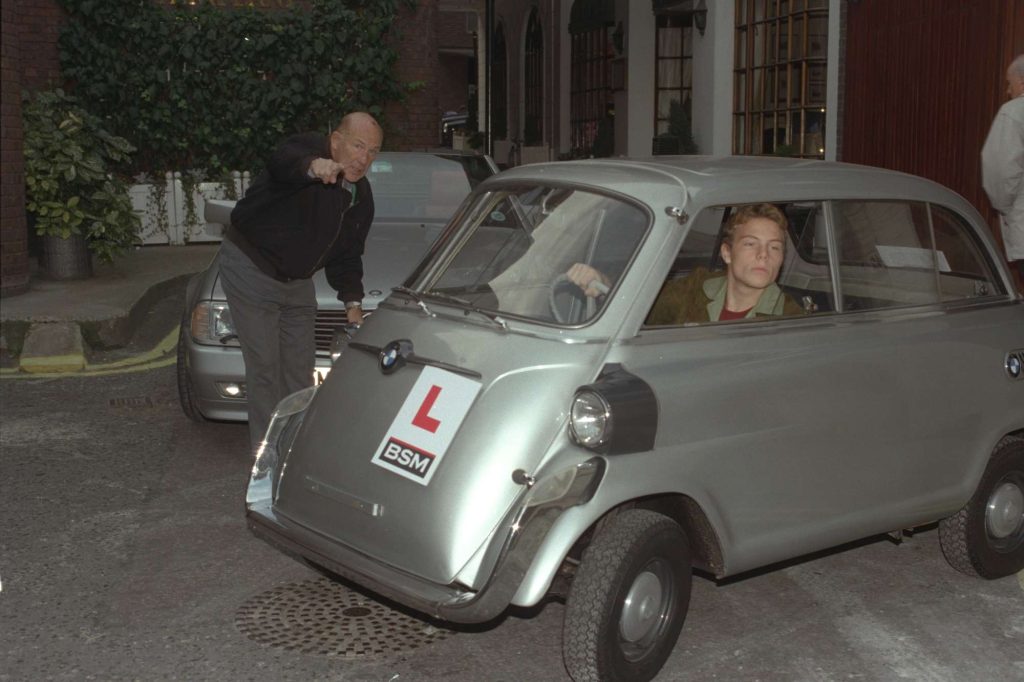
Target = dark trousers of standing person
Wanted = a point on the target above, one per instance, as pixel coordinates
(275, 324)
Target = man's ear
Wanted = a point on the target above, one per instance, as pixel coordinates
(335, 144)
(726, 252)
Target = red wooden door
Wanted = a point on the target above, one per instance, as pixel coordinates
(923, 80)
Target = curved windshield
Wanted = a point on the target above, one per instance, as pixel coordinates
(515, 256)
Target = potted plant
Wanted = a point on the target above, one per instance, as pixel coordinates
(78, 204)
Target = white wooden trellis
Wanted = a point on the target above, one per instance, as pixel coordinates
(172, 224)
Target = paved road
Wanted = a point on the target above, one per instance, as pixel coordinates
(124, 555)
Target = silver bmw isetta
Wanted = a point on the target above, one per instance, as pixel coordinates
(496, 433)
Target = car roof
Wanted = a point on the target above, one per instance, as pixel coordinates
(710, 180)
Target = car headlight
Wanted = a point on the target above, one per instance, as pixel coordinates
(590, 419)
(211, 324)
(615, 415)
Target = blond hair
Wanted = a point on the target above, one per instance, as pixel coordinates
(741, 215)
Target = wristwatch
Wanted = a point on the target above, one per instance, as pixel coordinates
(353, 304)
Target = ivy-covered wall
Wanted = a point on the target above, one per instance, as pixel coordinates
(215, 87)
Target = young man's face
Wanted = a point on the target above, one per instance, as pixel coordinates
(356, 147)
(756, 253)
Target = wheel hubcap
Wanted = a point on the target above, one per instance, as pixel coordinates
(646, 609)
(1004, 513)
(642, 607)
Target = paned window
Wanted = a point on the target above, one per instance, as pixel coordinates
(590, 92)
(499, 85)
(779, 78)
(673, 68)
(533, 82)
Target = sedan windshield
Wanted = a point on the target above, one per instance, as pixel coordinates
(423, 187)
(514, 256)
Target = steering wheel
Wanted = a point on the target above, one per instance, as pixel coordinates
(562, 287)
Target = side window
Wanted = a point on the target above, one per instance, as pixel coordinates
(964, 271)
(805, 274)
(886, 257)
(736, 264)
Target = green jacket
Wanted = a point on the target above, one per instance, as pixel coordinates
(700, 297)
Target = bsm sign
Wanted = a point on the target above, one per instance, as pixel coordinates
(425, 425)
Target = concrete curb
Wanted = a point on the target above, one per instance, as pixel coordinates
(58, 348)
(161, 355)
(52, 347)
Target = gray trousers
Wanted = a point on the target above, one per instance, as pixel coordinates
(275, 326)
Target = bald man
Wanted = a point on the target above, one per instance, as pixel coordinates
(310, 208)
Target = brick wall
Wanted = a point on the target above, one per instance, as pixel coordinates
(414, 123)
(40, 22)
(29, 61)
(455, 30)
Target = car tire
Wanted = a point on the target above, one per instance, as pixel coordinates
(986, 537)
(186, 393)
(638, 560)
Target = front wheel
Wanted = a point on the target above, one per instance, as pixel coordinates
(986, 537)
(186, 390)
(628, 600)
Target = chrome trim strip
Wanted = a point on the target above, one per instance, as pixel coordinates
(338, 495)
(414, 359)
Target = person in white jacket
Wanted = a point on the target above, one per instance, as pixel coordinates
(1002, 165)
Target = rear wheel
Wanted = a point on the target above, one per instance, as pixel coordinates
(628, 600)
(186, 392)
(986, 537)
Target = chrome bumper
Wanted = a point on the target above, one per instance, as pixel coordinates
(525, 530)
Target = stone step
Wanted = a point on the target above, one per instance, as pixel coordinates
(52, 347)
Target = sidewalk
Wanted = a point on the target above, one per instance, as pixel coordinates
(43, 328)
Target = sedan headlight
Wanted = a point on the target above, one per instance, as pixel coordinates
(211, 324)
(590, 419)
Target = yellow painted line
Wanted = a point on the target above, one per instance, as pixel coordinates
(161, 349)
(54, 364)
(159, 356)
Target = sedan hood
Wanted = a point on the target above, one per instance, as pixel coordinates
(413, 465)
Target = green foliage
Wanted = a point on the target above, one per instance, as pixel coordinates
(218, 87)
(69, 180)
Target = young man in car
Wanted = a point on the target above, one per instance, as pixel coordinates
(753, 248)
(311, 208)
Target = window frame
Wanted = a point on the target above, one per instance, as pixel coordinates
(967, 230)
(776, 57)
(533, 80)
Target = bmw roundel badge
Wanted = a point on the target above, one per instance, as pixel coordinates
(392, 356)
(1014, 364)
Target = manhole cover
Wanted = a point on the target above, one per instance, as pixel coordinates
(326, 618)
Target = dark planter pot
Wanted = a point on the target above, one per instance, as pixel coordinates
(666, 144)
(65, 259)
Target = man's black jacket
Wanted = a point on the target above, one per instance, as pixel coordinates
(291, 225)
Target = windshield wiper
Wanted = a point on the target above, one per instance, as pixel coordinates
(493, 317)
(414, 296)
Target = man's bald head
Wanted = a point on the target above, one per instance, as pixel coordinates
(355, 143)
